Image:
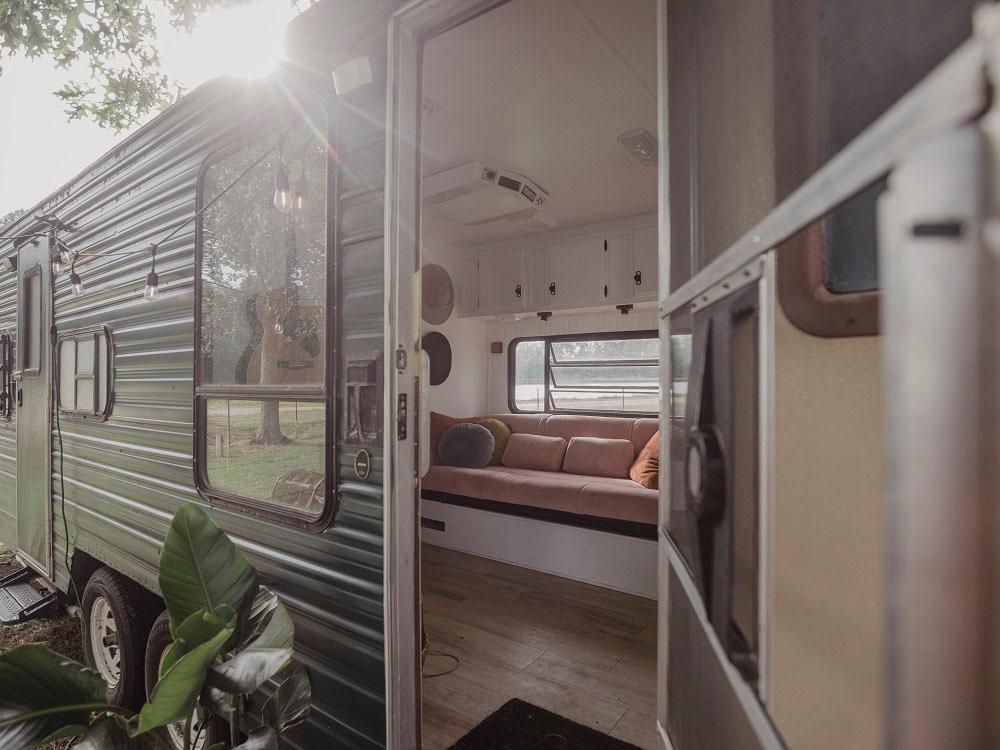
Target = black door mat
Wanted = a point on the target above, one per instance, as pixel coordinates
(517, 725)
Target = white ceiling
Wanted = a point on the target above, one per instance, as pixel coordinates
(544, 88)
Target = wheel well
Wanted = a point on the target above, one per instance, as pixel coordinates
(83, 566)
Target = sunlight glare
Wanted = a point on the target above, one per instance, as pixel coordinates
(245, 41)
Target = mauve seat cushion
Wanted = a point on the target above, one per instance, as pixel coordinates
(603, 497)
(599, 457)
(534, 452)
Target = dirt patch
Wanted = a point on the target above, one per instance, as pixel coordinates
(61, 632)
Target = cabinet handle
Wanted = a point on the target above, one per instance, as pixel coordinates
(517, 291)
(638, 278)
(552, 288)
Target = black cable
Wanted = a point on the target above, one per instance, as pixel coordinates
(432, 675)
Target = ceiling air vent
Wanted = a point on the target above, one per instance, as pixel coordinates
(475, 194)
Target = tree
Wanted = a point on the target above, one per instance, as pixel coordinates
(116, 40)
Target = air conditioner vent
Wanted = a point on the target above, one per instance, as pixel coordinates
(476, 193)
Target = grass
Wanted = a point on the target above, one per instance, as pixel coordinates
(250, 469)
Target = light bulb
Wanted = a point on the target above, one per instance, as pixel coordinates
(152, 290)
(282, 193)
(279, 328)
(300, 201)
(74, 279)
(57, 267)
(65, 256)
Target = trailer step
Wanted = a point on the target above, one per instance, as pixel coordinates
(20, 601)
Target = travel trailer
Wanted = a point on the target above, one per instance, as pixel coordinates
(617, 368)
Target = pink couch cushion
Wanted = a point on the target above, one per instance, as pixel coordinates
(598, 457)
(603, 497)
(538, 452)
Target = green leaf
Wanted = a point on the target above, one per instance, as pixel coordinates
(260, 660)
(200, 568)
(105, 734)
(176, 693)
(202, 627)
(290, 703)
(263, 738)
(217, 702)
(42, 693)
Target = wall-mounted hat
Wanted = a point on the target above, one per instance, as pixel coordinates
(437, 294)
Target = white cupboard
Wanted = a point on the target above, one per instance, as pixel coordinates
(608, 264)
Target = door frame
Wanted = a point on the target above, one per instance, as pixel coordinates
(39, 258)
(409, 28)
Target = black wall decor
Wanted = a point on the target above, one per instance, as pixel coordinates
(439, 352)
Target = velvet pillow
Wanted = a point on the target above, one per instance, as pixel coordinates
(539, 452)
(646, 469)
(501, 434)
(440, 423)
(467, 445)
(599, 457)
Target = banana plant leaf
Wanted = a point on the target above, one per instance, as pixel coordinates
(197, 629)
(43, 694)
(200, 568)
(176, 693)
(260, 660)
(290, 703)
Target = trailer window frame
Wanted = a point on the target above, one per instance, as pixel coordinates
(281, 114)
(29, 335)
(549, 384)
(102, 377)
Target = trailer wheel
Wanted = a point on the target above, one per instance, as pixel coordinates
(156, 648)
(117, 616)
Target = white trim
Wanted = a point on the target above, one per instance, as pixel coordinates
(766, 302)
(601, 558)
(662, 738)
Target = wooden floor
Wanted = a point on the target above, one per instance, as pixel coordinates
(581, 651)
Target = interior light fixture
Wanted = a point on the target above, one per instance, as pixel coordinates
(152, 290)
(282, 193)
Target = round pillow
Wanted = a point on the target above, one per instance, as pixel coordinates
(467, 445)
(500, 433)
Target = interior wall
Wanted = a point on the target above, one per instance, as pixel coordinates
(463, 393)
(506, 331)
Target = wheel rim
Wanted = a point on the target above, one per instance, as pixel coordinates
(104, 642)
(176, 730)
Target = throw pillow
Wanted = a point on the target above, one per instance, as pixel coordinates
(467, 445)
(501, 434)
(646, 469)
(539, 452)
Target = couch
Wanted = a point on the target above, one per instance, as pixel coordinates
(560, 496)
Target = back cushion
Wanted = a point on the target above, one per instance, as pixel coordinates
(599, 457)
(534, 452)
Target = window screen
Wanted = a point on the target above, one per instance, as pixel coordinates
(616, 373)
(84, 362)
(261, 394)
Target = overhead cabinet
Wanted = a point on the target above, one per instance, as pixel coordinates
(613, 265)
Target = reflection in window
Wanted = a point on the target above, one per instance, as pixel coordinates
(289, 473)
(529, 375)
(263, 268)
(84, 373)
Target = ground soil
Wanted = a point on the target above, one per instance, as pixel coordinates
(60, 632)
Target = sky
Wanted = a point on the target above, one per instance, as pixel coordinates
(40, 150)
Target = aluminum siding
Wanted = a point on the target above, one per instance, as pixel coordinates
(125, 477)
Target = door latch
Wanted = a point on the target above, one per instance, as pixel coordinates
(552, 288)
(20, 397)
(638, 278)
(401, 416)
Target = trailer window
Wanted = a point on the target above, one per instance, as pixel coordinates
(608, 373)
(84, 366)
(261, 393)
(31, 322)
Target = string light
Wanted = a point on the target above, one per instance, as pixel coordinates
(282, 192)
(152, 290)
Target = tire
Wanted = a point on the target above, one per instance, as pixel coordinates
(124, 612)
(159, 640)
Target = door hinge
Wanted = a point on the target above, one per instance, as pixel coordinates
(401, 416)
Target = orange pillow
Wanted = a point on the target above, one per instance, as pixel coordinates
(646, 469)
(440, 423)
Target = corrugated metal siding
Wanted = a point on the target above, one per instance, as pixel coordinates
(124, 478)
(8, 434)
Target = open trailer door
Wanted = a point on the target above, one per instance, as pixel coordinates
(936, 152)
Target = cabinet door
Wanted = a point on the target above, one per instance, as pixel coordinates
(576, 269)
(502, 283)
(537, 263)
(644, 259)
(618, 271)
